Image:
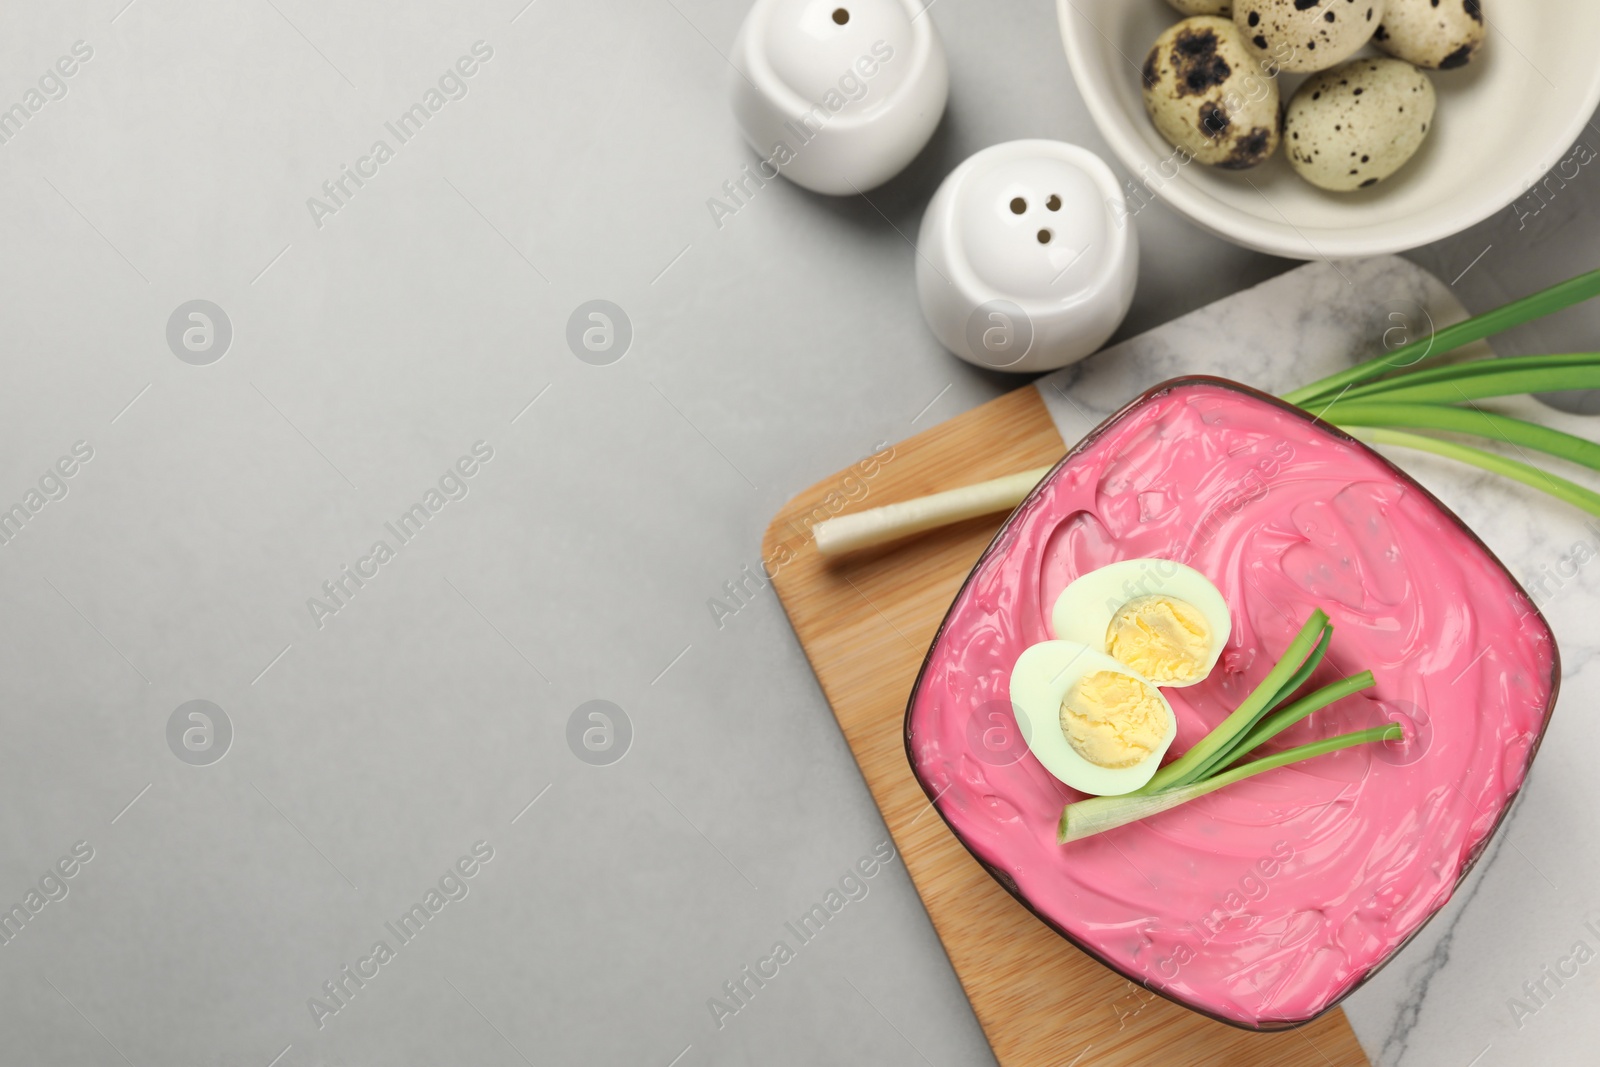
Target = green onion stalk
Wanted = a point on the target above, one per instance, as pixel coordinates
(1214, 762)
(1407, 397)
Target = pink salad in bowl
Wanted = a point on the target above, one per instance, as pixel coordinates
(1265, 902)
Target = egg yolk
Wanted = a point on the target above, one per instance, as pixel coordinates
(1113, 719)
(1161, 637)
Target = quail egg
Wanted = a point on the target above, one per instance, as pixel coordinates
(1204, 7)
(1437, 34)
(1092, 722)
(1307, 34)
(1355, 125)
(1208, 96)
(1162, 619)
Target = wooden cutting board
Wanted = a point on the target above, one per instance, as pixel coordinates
(866, 623)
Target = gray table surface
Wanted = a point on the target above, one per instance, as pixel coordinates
(375, 746)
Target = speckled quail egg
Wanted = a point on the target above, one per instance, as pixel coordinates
(1208, 96)
(1355, 125)
(1163, 619)
(1204, 7)
(1437, 34)
(1092, 722)
(1307, 34)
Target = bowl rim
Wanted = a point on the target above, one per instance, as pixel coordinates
(1005, 880)
(1274, 238)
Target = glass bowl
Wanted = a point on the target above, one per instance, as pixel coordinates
(1265, 903)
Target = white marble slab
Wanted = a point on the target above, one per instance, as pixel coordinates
(1468, 990)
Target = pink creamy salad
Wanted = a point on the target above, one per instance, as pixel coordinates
(1265, 903)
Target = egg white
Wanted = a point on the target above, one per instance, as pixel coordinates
(1040, 680)
(1085, 608)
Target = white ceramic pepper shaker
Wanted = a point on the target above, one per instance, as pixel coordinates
(1027, 257)
(838, 95)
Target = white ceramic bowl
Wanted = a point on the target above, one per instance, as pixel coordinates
(1503, 120)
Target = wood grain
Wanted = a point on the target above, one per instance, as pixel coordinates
(865, 623)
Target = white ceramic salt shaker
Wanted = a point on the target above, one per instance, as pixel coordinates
(1027, 257)
(838, 95)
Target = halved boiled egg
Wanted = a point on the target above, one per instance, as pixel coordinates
(1094, 723)
(1157, 616)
